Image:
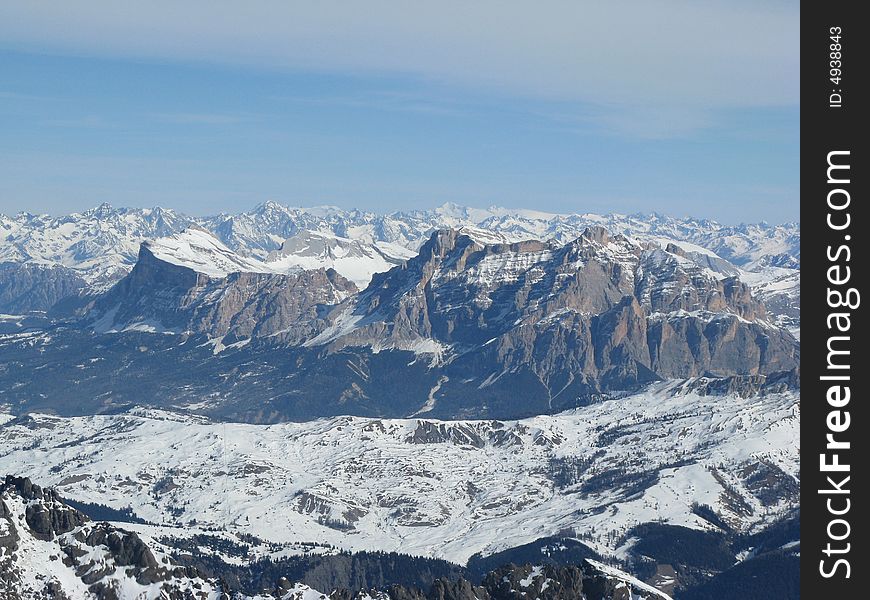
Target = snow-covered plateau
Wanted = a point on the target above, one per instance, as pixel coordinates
(433, 488)
(50, 550)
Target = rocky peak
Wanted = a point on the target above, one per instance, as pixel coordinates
(671, 279)
(100, 212)
(601, 312)
(46, 515)
(597, 234)
(444, 242)
(269, 206)
(25, 488)
(672, 248)
(101, 244)
(51, 550)
(165, 293)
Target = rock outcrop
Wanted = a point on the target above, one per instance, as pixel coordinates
(51, 550)
(161, 296)
(556, 324)
(472, 327)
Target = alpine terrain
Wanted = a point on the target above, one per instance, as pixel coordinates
(457, 403)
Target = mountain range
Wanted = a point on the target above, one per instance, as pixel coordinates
(458, 330)
(415, 405)
(94, 249)
(431, 487)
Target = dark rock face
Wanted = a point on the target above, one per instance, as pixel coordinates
(28, 287)
(96, 553)
(548, 582)
(9, 537)
(127, 548)
(48, 516)
(242, 305)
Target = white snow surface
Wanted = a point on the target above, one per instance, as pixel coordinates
(489, 486)
(201, 251)
(355, 260)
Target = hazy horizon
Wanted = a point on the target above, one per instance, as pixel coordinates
(441, 207)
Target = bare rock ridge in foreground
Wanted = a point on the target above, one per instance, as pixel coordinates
(50, 550)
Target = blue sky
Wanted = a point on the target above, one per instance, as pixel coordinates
(213, 111)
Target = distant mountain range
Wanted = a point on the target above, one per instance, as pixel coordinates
(94, 249)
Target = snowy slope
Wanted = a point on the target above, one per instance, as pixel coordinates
(780, 290)
(434, 488)
(201, 251)
(50, 550)
(355, 260)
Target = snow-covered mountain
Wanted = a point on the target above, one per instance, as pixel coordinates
(355, 260)
(101, 245)
(480, 386)
(471, 327)
(780, 290)
(200, 251)
(108, 238)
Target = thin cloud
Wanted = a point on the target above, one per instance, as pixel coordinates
(84, 122)
(718, 54)
(652, 122)
(9, 95)
(186, 118)
(388, 101)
